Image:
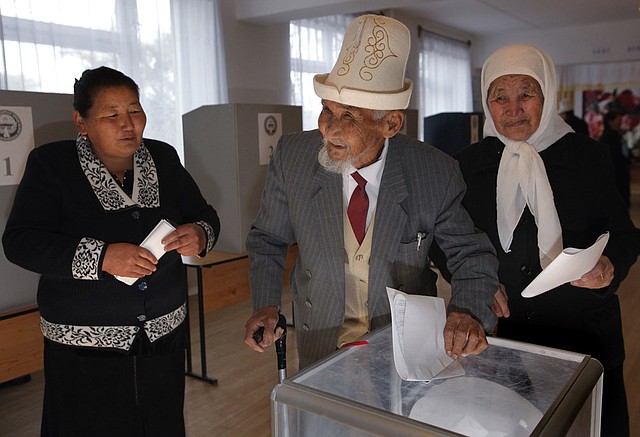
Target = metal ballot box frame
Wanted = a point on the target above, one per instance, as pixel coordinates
(512, 388)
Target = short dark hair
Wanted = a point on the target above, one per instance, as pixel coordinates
(611, 115)
(93, 81)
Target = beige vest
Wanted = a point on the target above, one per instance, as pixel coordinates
(356, 271)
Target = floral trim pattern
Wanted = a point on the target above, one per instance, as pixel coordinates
(87, 259)
(118, 337)
(161, 326)
(211, 235)
(146, 192)
(112, 337)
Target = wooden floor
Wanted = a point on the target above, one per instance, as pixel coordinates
(239, 404)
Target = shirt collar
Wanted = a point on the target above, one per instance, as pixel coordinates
(373, 172)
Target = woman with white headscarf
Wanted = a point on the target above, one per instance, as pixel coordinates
(536, 187)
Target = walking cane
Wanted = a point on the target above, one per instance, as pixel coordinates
(281, 346)
(281, 349)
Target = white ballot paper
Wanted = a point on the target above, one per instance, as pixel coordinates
(569, 266)
(417, 325)
(153, 243)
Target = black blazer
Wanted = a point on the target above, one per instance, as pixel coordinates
(581, 177)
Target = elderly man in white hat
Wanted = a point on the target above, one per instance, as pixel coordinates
(364, 203)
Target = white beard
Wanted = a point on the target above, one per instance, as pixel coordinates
(329, 164)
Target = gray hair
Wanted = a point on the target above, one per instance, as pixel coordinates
(379, 114)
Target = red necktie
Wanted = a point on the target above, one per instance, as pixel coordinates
(358, 207)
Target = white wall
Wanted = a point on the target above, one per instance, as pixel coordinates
(257, 55)
(257, 58)
(605, 42)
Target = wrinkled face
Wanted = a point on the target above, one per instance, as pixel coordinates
(114, 124)
(515, 103)
(352, 136)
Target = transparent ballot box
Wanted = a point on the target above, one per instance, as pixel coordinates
(511, 389)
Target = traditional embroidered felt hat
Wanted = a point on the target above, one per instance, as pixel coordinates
(370, 69)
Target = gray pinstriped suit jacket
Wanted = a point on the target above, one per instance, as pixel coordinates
(421, 191)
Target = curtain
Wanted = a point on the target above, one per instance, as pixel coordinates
(171, 48)
(445, 76)
(315, 45)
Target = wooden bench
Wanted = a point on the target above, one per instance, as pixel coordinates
(20, 343)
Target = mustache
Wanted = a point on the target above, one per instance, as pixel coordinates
(336, 141)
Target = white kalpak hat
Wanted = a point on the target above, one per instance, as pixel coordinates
(369, 72)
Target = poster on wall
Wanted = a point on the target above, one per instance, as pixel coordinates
(16, 141)
(596, 103)
(269, 132)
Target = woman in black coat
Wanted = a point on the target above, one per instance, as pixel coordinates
(535, 187)
(113, 350)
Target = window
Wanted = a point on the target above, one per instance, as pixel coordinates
(315, 45)
(445, 76)
(46, 44)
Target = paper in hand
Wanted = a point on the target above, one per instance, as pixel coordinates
(153, 243)
(418, 341)
(569, 266)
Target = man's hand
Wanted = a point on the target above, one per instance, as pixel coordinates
(463, 335)
(500, 306)
(266, 318)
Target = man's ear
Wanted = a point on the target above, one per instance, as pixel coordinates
(79, 122)
(393, 123)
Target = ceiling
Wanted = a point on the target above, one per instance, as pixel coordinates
(489, 17)
(472, 17)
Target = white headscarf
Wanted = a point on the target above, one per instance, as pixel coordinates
(522, 178)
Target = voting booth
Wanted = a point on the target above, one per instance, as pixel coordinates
(511, 389)
(227, 149)
(453, 131)
(410, 125)
(27, 120)
(38, 118)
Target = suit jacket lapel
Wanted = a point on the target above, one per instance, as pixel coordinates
(390, 222)
(327, 209)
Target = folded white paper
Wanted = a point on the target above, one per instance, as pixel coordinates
(569, 266)
(153, 243)
(418, 341)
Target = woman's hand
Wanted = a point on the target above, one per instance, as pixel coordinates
(129, 260)
(188, 239)
(500, 305)
(599, 277)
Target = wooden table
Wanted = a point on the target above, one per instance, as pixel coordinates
(210, 260)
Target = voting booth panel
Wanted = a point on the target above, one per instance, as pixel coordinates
(51, 120)
(227, 149)
(452, 131)
(410, 125)
(27, 119)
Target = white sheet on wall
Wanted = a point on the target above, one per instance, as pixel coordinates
(16, 141)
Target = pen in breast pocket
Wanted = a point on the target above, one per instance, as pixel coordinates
(419, 238)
